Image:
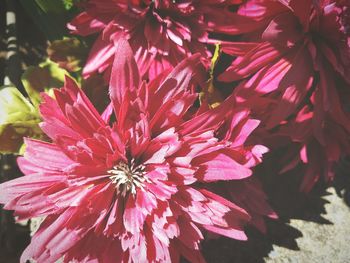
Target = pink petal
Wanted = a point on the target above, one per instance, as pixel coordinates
(254, 60)
(125, 76)
(296, 84)
(100, 57)
(133, 218)
(228, 232)
(220, 166)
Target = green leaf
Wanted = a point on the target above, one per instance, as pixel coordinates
(13, 104)
(49, 15)
(42, 78)
(51, 6)
(215, 58)
(210, 94)
(57, 74)
(68, 4)
(18, 119)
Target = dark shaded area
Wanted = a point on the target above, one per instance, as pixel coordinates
(31, 43)
(13, 237)
(342, 180)
(254, 250)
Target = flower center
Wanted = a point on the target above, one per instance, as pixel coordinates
(127, 177)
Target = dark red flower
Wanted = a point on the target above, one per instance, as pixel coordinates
(161, 33)
(296, 55)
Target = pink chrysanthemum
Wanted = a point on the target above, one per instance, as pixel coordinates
(294, 61)
(161, 33)
(136, 190)
(248, 193)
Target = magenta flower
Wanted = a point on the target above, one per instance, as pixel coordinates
(247, 193)
(295, 55)
(161, 33)
(138, 189)
(319, 158)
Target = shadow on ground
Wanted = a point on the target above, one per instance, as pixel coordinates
(290, 204)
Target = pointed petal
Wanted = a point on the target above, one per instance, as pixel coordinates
(296, 83)
(100, 57)
(125, 76)
(251, 62)
(220, 166)
(178, 81)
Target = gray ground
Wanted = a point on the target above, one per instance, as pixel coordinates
(320, 242)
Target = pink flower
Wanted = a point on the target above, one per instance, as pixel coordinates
(319, 159)
(247, 193)
(138, 189)
(161, 33)
(296, 54)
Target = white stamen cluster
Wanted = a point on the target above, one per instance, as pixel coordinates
(127, 177)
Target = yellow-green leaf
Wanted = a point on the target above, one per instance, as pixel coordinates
(18, 119)
(210, 94)
(42, 78)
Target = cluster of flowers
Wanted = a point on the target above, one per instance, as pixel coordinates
(170, 158)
